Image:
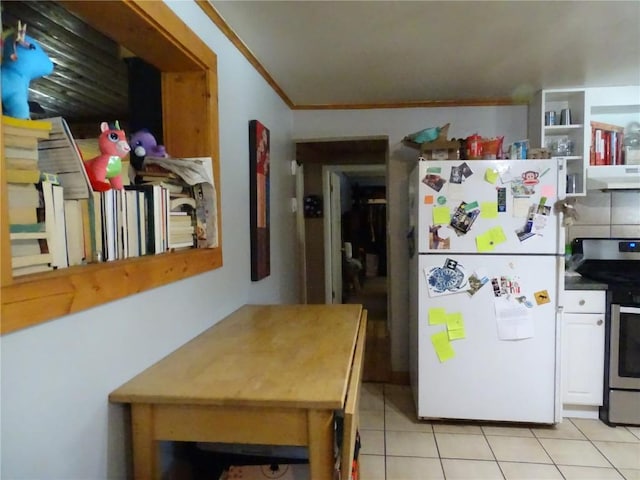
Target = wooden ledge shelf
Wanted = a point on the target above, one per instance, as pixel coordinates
(190, 123)
(41, 297)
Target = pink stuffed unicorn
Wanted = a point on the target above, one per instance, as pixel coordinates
(104, 171)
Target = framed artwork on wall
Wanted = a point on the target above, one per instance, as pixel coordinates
(259, 142)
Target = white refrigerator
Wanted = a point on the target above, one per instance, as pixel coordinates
(486, 268)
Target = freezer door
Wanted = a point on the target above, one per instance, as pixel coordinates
(490, 206)
(505, 367)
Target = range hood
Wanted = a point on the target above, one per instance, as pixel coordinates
(615, 177)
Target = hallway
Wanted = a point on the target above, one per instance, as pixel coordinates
(373, 297)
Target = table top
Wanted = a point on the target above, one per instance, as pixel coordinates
(260, 355)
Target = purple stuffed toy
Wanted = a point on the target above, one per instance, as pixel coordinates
(143, 144)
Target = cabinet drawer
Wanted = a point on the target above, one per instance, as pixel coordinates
(584, 301)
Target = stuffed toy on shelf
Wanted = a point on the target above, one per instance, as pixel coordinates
(23, 60)
(143, 144)
(104, 171)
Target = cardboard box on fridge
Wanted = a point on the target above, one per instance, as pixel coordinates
(441, 150)
(262, 472)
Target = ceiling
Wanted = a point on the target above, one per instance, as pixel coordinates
(368, 53)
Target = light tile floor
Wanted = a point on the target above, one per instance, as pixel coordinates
(396, 446)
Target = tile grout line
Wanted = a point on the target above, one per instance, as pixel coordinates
(484, 435)
(553, 462)
(597, 449)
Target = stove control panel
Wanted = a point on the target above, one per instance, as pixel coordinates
(629, 246)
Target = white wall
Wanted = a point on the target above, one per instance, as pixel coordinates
(56, 422)
(397, 123)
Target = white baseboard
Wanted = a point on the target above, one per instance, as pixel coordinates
(580, 411)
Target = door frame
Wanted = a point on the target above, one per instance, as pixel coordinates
(333, 253)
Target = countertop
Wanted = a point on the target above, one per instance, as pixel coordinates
(574, 281)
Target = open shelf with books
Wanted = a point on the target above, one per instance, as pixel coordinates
(189, 78)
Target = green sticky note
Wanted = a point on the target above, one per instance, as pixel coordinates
(456, 334)
(437, 316)
(455, 321)
(441, 215)
(497, 235)
(442, 346)
(491, 175)
(434, 170)
(484, 242)
(489, 209)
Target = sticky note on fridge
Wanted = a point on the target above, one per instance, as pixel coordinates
(484, 242)
(491, 175)
(441, 215)
(455, 321)
(428, 199)
(442, 346)
(437, 316)
(497, 235)
(547, 191)
(489, 209)
(456, 333)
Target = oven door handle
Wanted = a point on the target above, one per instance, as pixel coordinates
(630, 310)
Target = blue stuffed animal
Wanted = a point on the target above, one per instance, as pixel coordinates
(23, 60)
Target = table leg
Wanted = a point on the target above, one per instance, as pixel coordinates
(145, 448)
(320, 424)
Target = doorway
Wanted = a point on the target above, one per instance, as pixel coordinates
(355, 230)
(348, 163)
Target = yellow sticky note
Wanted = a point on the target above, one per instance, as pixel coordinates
(491, 175)
(441, 215)
(437, 316)
(497, 235)
(489, 209)
(456, 334)
(484, 242)
(455, 321)
(442, 346)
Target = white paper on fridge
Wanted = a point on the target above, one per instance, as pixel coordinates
(514, 320)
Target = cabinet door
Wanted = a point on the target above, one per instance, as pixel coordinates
(583, 358)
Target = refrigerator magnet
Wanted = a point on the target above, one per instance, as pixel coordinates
(465, 169)
(542, 297)
(456, 175)
(434, 181)
(502, 199)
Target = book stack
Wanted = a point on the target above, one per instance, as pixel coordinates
(122, 221)
(181, 222)
(30, 249)
(606, 144)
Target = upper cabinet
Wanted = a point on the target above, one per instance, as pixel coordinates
(571, 123)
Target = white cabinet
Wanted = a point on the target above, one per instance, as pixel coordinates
(610, 105)
(583, 347)
(562, 140)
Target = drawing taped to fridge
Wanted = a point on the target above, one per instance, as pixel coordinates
(487, 267)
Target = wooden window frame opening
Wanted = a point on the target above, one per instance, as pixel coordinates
(190, 123)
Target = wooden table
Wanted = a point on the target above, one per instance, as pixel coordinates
(266, 374)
